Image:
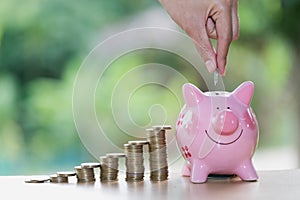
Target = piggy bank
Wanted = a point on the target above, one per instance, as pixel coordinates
(217, 133)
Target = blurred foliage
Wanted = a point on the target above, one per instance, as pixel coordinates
(45, 35)
(41, 46)
(43, 42)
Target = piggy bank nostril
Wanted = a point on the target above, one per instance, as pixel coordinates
(225, 123)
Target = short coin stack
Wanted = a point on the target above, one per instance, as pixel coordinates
(54, 178)
(134, 160)
(61, 177)
(37, 179)
(109, 167)
(158, 153)
(85, 172)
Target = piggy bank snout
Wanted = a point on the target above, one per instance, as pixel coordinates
(225, 122)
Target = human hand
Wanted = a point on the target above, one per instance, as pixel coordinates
(205, 19)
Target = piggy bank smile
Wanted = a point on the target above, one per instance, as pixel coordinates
(223, 140)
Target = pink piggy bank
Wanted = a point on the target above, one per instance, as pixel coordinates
(217, 133)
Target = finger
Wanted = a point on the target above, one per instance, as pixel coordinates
(224, 31)
(211, 28)
(235, 21)
(203, 45)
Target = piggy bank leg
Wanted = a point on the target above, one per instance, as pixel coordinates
(199, 172)
(246, 171)
(186, 170)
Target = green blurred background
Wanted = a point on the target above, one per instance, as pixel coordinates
(43, 43)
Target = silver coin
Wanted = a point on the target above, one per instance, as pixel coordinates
(86, 180)
(66, 173)
(37, 179)
(115, 155)
(90, 165)
(164, 127)
(138, 142)
(109, 159)
(54, 178)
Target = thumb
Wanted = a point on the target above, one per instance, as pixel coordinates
(211, 28)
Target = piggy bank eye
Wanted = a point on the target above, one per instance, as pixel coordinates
(228, 107)
(218, 108)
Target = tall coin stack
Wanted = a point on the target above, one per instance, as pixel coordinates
(134, 160)
(158, 153)
(109, 167)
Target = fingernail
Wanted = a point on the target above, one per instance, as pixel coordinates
(223, 72)
(210, 66)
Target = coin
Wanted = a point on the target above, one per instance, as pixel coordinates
(115, 155)
(138, 142)
(66, 173)
(54, 178)
(37, 179)
(164, 127)
(216, 76)
(90, 165)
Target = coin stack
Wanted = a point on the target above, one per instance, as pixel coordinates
(85, 172)
(158, 153)
(134, 160)
(109, 167)
(54, 178)
(62, 176)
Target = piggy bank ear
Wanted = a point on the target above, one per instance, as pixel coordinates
(192, 95)
(244, 93)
